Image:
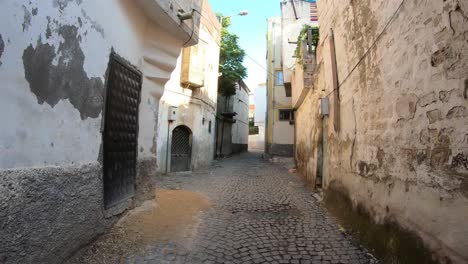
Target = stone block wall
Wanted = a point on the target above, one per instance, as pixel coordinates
(402, 146)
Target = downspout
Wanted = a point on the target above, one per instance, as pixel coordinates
(336, 91)
(167, 145)
(323, 151)
(273, 43)
(216, 135)
(226, 104)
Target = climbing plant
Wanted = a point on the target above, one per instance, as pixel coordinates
(303, 36)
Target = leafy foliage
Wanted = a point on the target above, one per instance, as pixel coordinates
(231, 59)
(303, 36)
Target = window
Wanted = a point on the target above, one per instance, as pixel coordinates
(279, 78)
(209, 127)
(286, 115)
(287, 89)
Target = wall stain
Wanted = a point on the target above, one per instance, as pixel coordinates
(67, 80)
(2, 48)
(26, 19)
(48, 30)
(440, 156)
(388, 240)
(365, 169)
(444, 96)
(95, 25)
(460, 160)
(62, 4)
(457, 112)
(380, 156)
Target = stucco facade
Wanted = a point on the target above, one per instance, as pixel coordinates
(257, 142)
(396, 140)
(233, 122)
(196, 107)
(54, 63)
(279, 134)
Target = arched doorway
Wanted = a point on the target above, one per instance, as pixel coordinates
(181, 149)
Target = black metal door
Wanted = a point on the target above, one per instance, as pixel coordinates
(120, 131)
(181, 149)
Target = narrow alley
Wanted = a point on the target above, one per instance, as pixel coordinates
(242, 210)
(214, 131)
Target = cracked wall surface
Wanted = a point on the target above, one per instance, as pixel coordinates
(401, 150)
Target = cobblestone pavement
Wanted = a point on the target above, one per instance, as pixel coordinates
(259, 213)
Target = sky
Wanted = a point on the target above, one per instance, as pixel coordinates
(251, 30)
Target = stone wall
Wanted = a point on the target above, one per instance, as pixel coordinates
(401, 149)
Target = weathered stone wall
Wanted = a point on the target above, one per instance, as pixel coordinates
(41, 208)
(401, 152)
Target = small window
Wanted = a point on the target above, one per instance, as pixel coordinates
(209, 126)
(287, 89)
(279, 78)
(286, 115)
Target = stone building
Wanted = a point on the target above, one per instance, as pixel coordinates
(279, 127)
(81, 82)
(186, 140)
(232, 128)
(394, 144)
(282, 37)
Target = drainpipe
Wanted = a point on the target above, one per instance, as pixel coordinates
(226, 106)
(167, 146)
(323, 151)
(216, 135)
(336, 87)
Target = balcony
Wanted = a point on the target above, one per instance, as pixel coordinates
(302, 80)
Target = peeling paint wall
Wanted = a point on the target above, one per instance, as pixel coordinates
(53, 63)
(402, 147)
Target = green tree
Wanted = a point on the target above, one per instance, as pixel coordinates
(230, 60)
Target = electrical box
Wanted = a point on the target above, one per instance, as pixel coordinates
(324, 107)
(172, 113)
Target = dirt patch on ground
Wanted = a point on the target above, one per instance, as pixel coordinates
(171, 218)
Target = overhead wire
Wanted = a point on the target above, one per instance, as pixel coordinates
(246, 54)
(392, 18)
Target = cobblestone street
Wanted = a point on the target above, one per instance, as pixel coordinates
(259, 213)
